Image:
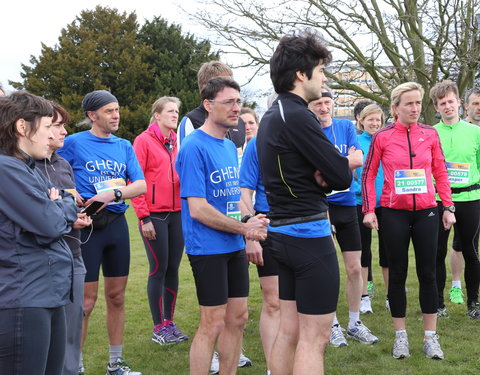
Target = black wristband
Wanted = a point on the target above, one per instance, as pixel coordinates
(246, 218)
(146, 219)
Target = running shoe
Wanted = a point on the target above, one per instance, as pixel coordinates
(366, 305)
(456, 295)
(337, 339)
(431, 347)
(442, 312)
(244, 361)
(473, 310)
(361, 334)
(164, 336)
(81, 370)
(370, 289)
(387, 304)
(119, 367)
(400, 346)
(177, 333)
(215, 365)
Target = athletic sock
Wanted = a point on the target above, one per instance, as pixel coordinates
(166, 322)
(353, 318)
(115, 353)
(456, 283)
(157, 327)
(429, 333)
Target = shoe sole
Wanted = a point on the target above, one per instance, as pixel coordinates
(361, 342)
(246, 364)
(437, 357)
(343, 344)
(401, 356)
(163, 343)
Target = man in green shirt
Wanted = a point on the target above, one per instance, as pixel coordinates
(461, 147)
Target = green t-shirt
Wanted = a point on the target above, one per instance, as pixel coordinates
(461, 147)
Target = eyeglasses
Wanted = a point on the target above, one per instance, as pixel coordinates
(229, 102)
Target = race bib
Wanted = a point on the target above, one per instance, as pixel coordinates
(458, 173)
(233, 210)
(114, 183)
(71, 191)
(410, 181)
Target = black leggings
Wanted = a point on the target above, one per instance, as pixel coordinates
(366, 236)
(467, 215)
(422, 227)
(164, 255)
(32, 341)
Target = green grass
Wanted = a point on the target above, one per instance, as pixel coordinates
(458, 334)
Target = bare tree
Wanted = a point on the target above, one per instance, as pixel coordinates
(377, 44)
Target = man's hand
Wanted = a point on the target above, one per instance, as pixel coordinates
(370, 220)
(320, 181)
(256, 228)
(82, 221)
(106, 197)
(148, 231)
(254, 252)
(448, 219)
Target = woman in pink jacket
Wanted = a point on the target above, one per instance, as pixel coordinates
(159, 216)
(410, 154)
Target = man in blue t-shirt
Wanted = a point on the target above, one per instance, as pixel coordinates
(343, 216)
(207, 165)
(103, 164)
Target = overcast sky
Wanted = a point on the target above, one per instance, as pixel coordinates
(24, 25)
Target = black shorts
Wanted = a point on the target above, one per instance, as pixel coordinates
(347, 232)
(108, 247)
(219, 277)
(270, 265)
(308, 272)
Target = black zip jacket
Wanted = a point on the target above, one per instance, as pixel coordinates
(291, 146)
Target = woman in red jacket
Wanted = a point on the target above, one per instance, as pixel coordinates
(410, 154)
(159, 216)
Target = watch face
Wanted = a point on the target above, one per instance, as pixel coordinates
(118, 195)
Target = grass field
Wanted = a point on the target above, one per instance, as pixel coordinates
(459, 335)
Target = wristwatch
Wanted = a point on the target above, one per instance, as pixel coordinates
(246, 218)
(449, 208)
(118, 195)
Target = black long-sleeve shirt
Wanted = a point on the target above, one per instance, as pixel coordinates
(291, 147)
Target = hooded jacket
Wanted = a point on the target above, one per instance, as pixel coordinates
(35, 261)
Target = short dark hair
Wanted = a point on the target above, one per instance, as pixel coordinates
(359, 106)
(297, 52)
(16, 106)
(59, 110)
(214, 86)
(473, 90)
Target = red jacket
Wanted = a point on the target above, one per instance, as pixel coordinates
(400, 147)
(158, 165)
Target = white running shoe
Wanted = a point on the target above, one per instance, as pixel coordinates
(244, 361)
(361, 334)
(337, 339)
(431, 347)
(400, 346)
(215, 365)
(366, 305)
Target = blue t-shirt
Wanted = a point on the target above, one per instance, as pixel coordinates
(343, 135)
(100, 164)
(251, 178)
(208, 168)
(365, 139)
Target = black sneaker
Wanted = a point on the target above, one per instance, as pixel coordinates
(473, 310)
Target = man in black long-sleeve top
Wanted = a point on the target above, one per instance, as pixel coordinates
(298, 166)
